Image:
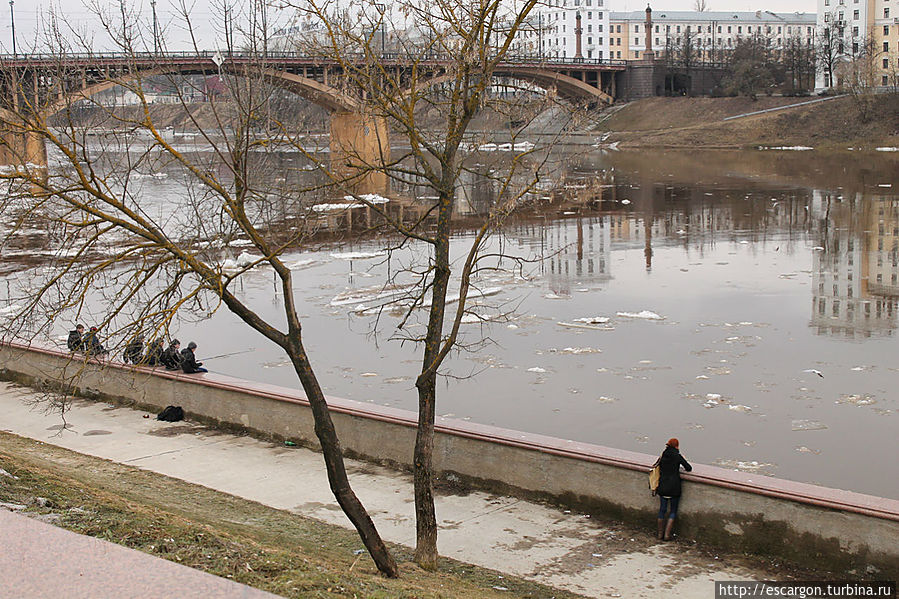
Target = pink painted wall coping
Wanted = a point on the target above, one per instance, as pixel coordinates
(838, 499)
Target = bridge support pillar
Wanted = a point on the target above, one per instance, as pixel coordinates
(360, 145)
(20, 146)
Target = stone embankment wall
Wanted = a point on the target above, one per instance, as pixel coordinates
(850, 533)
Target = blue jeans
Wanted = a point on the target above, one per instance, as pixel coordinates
(665, 503)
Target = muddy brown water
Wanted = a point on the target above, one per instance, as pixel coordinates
(744, 302)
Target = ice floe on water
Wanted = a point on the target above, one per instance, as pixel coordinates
(301, 264)
(377, 293)
(643, 314)
(537, 370)
(593, 319)
(244, 260)
(746, 466)
(807, 425)
(804, 449)
(371, 198)
(858, 400)
(605, 399)
(887, 149)
(575, 350)
(580, 325)
(787, 148)
(358, 255)
(555, 296)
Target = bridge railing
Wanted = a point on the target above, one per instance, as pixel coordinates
(88, 58)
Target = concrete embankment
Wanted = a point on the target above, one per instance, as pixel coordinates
(809, 525)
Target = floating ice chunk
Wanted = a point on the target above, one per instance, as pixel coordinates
(240, 243)
(702, 377)
(335, 207)
(787, 148)
(817, 248)
(807, 425)
(554, 296)
(604, 399)
(537, 369)
(739, 408)
(644, 314)
(357, 255)
(887, 185)
(743, 466)
(511, 326)
(804, 449)
(300, 264)
(858, 400)
(593, 327)
(369, 374)
(625, 202)
(886, 149)
(593, 319)
(713, 396)
(371, 198)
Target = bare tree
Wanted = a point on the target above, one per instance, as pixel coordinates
(132, 262)
(452, 49)
(831, 48)
(700, 5)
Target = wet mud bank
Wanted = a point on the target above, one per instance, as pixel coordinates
(850, 533)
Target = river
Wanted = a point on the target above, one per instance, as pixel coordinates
(744, 302)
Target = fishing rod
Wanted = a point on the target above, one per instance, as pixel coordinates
(243, 351)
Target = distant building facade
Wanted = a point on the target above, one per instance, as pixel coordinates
(712, 34)
(865, 42)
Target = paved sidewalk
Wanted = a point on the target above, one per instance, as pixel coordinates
(39, 560)
(559, 548)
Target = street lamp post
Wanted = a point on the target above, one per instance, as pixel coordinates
(12, 20)
(155, 28)
(380, 8)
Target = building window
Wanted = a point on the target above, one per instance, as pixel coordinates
(886, 46)
(636, 29)
(637, 55)
(589, 41)
(886, 63)
(719, 28)
(678, 28)
(728, 28)
(884, 81)
(618, 29)
(589, 28)
(886, 29)
(886, 13)
(599, 29)
(855, 31)
(657, 28)
(855, 15)
(657, 42)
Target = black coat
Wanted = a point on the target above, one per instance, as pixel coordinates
(669, 472)
(134, 351)
(75, 342)
(171, 359)
(154, 354)
(91, 345)
(189, 362)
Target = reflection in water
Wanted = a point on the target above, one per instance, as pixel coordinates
(855, 268)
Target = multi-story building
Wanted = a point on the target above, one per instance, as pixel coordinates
(710, 34)
(864, 43)
(562, 22)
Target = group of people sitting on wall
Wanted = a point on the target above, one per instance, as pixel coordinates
(172, 357)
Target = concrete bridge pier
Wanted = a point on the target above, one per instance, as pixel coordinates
(19, 144)
(360, 143)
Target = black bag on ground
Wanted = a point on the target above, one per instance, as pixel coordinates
(171, 414)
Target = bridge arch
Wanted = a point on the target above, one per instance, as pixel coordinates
(326, 96)
(565, 85)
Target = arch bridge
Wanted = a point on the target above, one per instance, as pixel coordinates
(47, 84)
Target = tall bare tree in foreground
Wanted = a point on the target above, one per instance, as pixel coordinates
(453, 49)
(130, 261)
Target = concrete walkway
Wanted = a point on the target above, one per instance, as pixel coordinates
(559, 548)
(39, 560)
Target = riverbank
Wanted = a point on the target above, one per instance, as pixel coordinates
(837, 123)
(262, 513)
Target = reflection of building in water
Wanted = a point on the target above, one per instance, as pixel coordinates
(854, 286)
(575, 251)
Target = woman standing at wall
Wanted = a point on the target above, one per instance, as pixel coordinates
(670, 486)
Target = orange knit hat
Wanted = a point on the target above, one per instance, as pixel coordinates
(672, 442)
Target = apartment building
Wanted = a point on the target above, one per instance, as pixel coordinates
(561, 22)
(865, 31)
(712, 34)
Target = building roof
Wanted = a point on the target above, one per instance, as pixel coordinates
(760, 16)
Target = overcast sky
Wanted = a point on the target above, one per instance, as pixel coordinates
(28, 16)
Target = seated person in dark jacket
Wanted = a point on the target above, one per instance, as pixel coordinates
(154, 353)
(134, 350)
(91, 343)
(171, 357)
(75, 342)
(189, 362)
